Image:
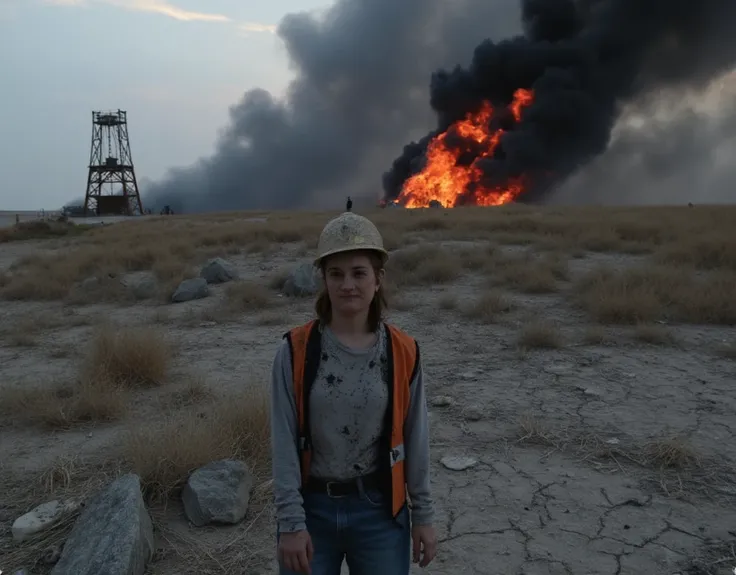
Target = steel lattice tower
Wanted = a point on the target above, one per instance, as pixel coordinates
(111, 183)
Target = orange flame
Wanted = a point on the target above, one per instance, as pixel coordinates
(444, 181)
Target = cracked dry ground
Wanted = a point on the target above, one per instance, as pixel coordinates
(576, 496)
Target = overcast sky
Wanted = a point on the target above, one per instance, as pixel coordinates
(175, 66)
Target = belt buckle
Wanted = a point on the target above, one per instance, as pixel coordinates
(328, 486)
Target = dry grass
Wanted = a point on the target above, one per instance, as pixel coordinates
(649, 293)
(597, 335)
(671, 453)
(488, 307)
(63, 406)
(25, 330)
(539, 335)
(527, 273)
(423, 265)
(41, 230)
(105, 289)
(272, 318)
(697, 239)
(194, 391)
(662, 454)
(129, 357)
(711, 251)
(166, 452)
(118, 360)
(248, 296)
(277, 280)
(654, 334)
(477, 258)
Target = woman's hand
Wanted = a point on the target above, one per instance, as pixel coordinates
(296, 551)
(424, 539)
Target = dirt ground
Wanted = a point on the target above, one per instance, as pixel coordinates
(584, 359)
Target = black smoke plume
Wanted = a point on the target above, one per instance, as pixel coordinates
(359, 93)
(584, 60)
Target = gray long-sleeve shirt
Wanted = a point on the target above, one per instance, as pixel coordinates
(348, 399)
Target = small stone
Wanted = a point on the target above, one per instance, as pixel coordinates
(442, 401)
(51, 555)
(559, 369)
(469, 375)
(40, 518)
(217, 271)
(473, 413)
(458, 463)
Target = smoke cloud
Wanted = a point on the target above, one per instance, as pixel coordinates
(586, 60)
(677, 148)
(360, 91)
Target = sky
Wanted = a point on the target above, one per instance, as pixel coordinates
(178, 67)
(175, 66)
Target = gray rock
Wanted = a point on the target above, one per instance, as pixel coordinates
(304, 280)
(141, 284)
(113, 535)
(89, 283)
(188, 290)
(219, 492)
(218, 270)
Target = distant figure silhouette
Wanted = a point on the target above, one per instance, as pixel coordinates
(349, 205)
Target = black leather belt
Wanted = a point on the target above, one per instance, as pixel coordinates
(342, 488)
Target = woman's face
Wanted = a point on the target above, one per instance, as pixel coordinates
(351, 282)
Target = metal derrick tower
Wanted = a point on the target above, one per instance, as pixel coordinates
(112, 187)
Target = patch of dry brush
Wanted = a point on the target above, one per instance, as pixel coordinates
(645, 294)
(699, 238)
(164, 453)
(118, 360)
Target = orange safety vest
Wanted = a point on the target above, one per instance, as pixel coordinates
(403, 362)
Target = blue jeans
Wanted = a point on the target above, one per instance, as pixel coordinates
(359, 529)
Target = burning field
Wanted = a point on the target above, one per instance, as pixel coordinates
(452, 175)
(530, 111)
(580, 366)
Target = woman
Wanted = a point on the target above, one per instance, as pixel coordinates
(349, 424)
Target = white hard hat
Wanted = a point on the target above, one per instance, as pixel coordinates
(349, 232)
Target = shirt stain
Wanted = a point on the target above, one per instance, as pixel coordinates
(347, 404)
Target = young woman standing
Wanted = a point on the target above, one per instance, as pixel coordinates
(349, 424)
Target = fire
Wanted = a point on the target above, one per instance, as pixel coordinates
(447, 181)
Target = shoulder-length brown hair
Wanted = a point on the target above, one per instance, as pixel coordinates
(323, 305)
